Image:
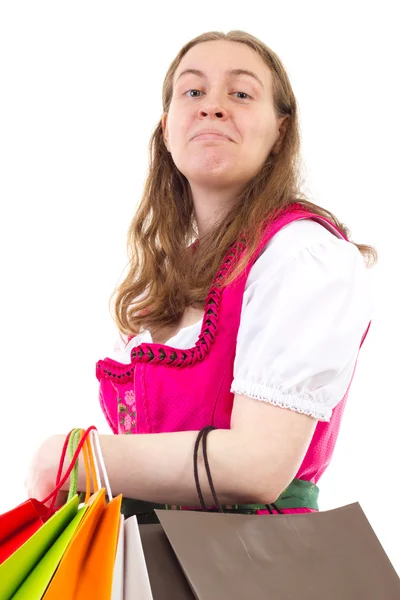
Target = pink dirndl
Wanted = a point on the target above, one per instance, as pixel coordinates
(166, 389)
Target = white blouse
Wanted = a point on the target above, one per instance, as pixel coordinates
(307, 302)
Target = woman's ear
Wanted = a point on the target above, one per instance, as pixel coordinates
(282, 131)
(165, 129)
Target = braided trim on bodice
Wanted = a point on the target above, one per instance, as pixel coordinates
(176, 357)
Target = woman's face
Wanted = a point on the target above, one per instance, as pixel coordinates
(237, 105)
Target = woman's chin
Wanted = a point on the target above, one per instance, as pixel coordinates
(214, 167)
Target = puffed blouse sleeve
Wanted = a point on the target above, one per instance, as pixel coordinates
(301, 328)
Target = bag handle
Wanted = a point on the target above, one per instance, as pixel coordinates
(202, 435)
(99, 458)
(71, 445)
(88, 462)
(74, 459)
(92, 456)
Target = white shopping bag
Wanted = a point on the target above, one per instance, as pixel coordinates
(118, 575)
(136, 578)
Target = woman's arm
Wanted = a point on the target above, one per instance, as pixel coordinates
(252, 462)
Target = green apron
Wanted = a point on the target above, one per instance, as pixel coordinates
(299, 494)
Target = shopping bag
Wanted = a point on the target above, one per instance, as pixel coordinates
(149, 569)
(97, 574)
(17, 567)
(130, 577)
(332, 554)
(136, 578)
(34, 586)
(28, 571)
(87, 566)
(95, 579)
(117, 589)
(167, 580)
(19, 524)
(36, 583)
(65, 580)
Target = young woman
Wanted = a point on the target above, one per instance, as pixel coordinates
(244, 308)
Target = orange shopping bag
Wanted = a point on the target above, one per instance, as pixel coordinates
(86, 569)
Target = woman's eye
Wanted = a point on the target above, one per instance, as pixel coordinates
(194, 90)
(244, 94)
(191, 91)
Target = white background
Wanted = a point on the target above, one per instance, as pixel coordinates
(80, 95)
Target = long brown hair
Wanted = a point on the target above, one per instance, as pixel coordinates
(164, 277)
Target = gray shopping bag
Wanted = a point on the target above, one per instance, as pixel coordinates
(334, 555)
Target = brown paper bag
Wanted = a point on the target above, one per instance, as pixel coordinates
(167, 580)
(331, 555)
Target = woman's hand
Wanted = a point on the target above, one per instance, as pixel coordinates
(42, 473)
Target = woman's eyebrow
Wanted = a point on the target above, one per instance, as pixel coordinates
(231, 73)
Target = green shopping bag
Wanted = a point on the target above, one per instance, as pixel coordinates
(37, 581)
(19, 565)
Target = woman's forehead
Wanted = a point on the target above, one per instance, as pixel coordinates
(225, 59)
